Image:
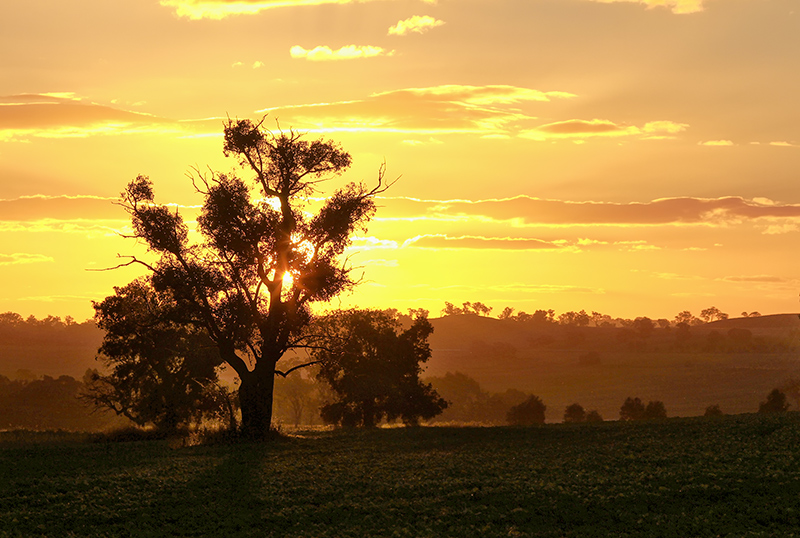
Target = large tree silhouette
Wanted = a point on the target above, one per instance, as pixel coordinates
(262, 260)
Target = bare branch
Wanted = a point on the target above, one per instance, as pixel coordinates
(290, 370)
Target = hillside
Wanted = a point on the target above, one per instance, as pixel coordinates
(733, 363)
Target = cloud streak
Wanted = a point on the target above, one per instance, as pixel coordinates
(324, 53)
(20, 258)
(528, 211)
(582, 129)
(416, 24)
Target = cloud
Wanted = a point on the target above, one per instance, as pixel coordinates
(258, 64)
(755, 278)
(416, 24)
(38, 207)
(64, 116)
(784, 144)
(432, 110)
(577, 128)
(220, 9)
(348, 52)
(524, 211)
(19, 258)
(716, 143)
(679, 7)
(443, 241)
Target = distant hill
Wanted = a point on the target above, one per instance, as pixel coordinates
(600, 367)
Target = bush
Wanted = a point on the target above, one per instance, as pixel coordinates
(713, 411)
(776, 403)
(594, 416)
(574, 413)
(655, 410)
(632, 409)
(528, 413)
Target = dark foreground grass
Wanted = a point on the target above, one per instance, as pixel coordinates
(734, 476)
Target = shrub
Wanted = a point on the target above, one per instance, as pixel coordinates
(655, 410)
(574, 413)
(528, 413)
(632, 409)
(776, 403)
(713, 411)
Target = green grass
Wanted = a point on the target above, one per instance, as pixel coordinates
(734, 476)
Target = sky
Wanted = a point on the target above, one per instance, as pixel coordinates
(635, 158)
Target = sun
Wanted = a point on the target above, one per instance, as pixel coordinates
(288, 280)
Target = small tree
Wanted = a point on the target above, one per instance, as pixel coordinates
(528, 413)
(776, 403)
(632, 409)
(713, 411)
(373, 368)
(654, 410)
(574, 413)
(163, 367)
(594, 416)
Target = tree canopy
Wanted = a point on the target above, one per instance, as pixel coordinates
(372, 366)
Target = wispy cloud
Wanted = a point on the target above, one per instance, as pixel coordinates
(61, 115)
(718, 143)
(432, 110)
(679, 7)
(581, 129)
(417, 24)
(528, 211)
(324, 53)
(20, 258)
(220, 9)
(443, 241)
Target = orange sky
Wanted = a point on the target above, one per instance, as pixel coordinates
(629, 157)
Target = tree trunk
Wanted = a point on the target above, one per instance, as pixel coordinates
(255, 399)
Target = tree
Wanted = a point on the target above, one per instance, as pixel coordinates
(373, 368)
(632, 409)
(506, 313)
(712, 314)
(776, 403)
(163, 367)
(713, 411)
(528, 413)
(263, 259)
(654, 410)
(593, 416)
(574, 413)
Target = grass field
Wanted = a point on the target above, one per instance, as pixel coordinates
(733, 476)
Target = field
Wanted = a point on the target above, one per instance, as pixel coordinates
(732, 476)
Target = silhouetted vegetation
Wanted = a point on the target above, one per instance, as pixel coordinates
(528, 413)
(632, 409)
(373, 367)
(48, 403)
(262, 261)
(775, 403)
(163, 367)
(713, 411)
(574, 413)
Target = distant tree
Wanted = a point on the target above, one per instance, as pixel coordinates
(792, 389)
(467, 401)
(687, 318)
(632, 409)
(655, 410)
(577, 319)
(741, 338)
(574, 413)
(663, 324)
(682, 335)
(644, 327)
(297, 399)
(713, 411)
(528, 413)
(712, 314)
(593, 416)
(163, 368)
(543, 316)
(776, 403)
(506, 313)
(451, 310)
(476, 308)
(373, 367)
